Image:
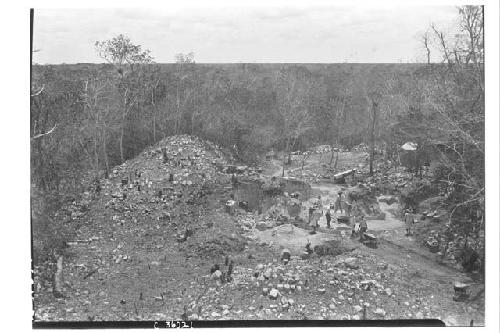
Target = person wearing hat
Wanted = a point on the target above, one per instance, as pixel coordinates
(348, 207)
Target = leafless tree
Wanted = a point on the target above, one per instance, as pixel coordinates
(337, 117)
(292, 107)
(98, 110)
(456, 99)
(183, 87)
(425, 40)
(39, 135)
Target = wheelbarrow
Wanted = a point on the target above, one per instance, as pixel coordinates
(344, 219)
(460, 291)
(370, 240)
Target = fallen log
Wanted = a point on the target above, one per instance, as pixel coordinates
(340, 177)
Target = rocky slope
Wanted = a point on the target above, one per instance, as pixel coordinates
(155, 243)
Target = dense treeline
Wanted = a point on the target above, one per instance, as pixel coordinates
(248, 107)
(86, 118)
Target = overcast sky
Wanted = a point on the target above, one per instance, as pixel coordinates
(315, 34)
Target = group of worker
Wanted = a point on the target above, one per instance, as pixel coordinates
(341, 204)
(349, 206)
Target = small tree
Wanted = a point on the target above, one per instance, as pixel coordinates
(337, 117)
(292, 94)
(425, 39)
(99, 119)
(374, 93)
(183, 87)
(188, 58)
(124, 55)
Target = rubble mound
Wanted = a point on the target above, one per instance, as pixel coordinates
(167, 185)
(178, 171)
(189, 159)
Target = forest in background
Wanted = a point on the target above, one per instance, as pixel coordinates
(87, 118)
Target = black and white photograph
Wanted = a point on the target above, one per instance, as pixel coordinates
(260, 165)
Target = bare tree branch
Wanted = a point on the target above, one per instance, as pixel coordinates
(38, 92)
(43, 134)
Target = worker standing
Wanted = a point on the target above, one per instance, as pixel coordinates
(409, 219)
(315, 214)
(362, 227)
(311, 211)
(348, 207)
(338, 203)
(328, 216)
(354, 223)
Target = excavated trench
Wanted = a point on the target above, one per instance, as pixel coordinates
(253, 193)
(282, 235)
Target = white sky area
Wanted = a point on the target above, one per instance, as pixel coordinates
(278, 34)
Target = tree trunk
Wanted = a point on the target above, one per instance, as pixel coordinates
(333, 151)
(372, 154)
(290, 151)
(284, 157)
(154, 127)
(336, 145)
(337, 136)
(372, 136)
(336, 162)
(105, 152)
(178, 112)
(96, 153)
(283, 169)
(121, 143)
(154, 115)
